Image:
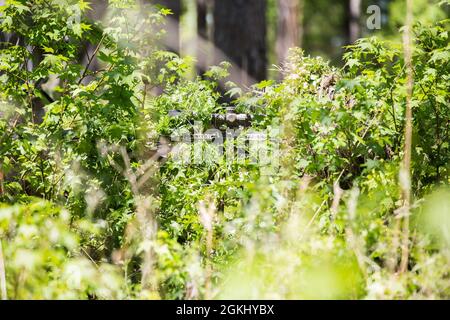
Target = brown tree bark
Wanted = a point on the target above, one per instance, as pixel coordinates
(240, 33)
(290, 27)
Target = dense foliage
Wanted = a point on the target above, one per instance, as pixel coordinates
(93, 207)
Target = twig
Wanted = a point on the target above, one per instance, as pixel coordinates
(90, 59)
(90, 258)
(315, 215)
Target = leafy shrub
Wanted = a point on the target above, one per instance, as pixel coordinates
(44, 258)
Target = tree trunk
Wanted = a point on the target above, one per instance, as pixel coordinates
(354, 16)
(172, 40)
(240, 33)
(204, 49)
(202, 23)
(290, 27)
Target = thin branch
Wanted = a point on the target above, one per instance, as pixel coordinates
(90, 258)
(315, 215)
(90, 59)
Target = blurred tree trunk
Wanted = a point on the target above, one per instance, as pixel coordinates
(202, 23)
(240, 32)
(290, 27)
(204, 50)
(172, 40)
(353, 17)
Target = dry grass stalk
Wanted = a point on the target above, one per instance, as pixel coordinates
(405, 181)
(207, 215)
(2, 274)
